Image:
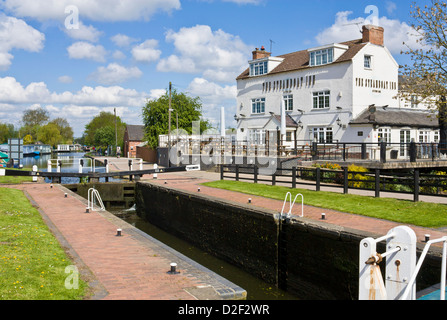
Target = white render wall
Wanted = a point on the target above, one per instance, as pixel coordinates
(348, 97)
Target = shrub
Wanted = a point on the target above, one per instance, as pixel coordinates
(360, 177)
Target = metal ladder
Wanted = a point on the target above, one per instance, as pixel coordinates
(291, 205)
(92, 194)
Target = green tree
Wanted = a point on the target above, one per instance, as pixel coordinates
(6, 132)
(32, 120)
(156, 116)
(104, 119)
(28, 139)
(105, 136)
(49, 134)
(65, 130)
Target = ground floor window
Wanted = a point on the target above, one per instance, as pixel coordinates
(405, 139)
(384, 135)
(257, 137)
(321, 135)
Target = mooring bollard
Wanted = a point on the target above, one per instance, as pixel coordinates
(173, 269)
(323, 216)
(118, 232)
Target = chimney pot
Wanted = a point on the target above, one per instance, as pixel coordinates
(373, 34)
(260, 54)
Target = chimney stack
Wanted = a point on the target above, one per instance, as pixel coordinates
(373, 34)
(260, 54)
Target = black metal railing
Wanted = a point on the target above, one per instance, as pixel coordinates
(415, 183)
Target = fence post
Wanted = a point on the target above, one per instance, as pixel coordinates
(221, 172)
(255, 174)
(237, 172)
(294, 177)
(314, 151)
(363, 151)
(377, 181)
(416, 185)
(344, 151)
(318, 175)
(274, 179)
(383, 152)
(413, 151)
(346, 181)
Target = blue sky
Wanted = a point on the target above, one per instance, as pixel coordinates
(124, 52)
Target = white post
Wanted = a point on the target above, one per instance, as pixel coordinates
(141, 164)
(80, 165)
(401, 265)
(35, 169)
(49, 166)
(155, 175)
(58, 166)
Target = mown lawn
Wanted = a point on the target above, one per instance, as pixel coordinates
(32, 262)
(15, 180)
(429, 215)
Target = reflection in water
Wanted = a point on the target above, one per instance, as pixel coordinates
(256, 288)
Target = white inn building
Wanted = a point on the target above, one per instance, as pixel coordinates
(340, 92)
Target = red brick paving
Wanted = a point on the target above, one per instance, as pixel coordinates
(124, 267)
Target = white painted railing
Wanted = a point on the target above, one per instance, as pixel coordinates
(92, 195)
(421, 261)
(291, 205)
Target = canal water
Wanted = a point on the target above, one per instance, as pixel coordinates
(256, 288)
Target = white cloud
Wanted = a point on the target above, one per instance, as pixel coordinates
(85, 50)
(13, 92)
(121, 40)
(77, 107)
(217, 54)
(85, 33)
(65, 79)
(115, 73)
(213, 97)
(147, 51)
(344, 29)
(94, 10)
(17, 34)
(118, 55)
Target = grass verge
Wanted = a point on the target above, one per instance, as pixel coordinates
(32, 262)
(15, 180)
(429, 215)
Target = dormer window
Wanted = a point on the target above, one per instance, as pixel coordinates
(321, 57)
(259, 68)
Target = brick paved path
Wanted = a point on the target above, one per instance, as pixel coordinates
(125, 267)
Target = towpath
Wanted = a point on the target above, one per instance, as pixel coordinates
(132, 266)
